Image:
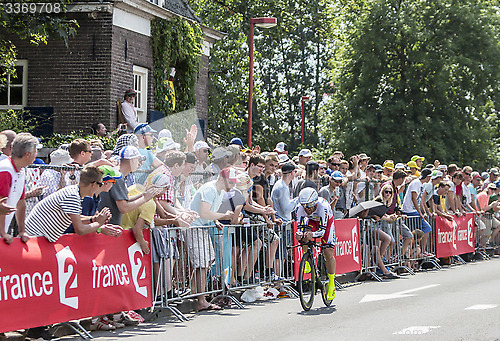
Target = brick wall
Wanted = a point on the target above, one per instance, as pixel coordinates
(83, 82)
(75, 81)
(128, 49)
(201, 90)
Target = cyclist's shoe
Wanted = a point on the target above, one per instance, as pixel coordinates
(307, 268)
(331, 292)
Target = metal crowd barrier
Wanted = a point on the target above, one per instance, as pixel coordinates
(382, 245)
(485, 225)
(203, 260)
(423, 250)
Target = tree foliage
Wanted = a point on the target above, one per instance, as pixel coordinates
(290, 60)
(18, 19)
(416, 77)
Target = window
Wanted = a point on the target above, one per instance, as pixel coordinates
(15, 93)
(141, 88)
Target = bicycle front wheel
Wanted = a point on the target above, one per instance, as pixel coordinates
(306, 284)
(323, 273)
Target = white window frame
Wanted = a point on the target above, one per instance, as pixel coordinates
(141, 89)
(24, 85)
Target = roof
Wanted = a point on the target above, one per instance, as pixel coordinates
(182, 8)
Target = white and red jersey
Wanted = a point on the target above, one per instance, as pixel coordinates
(11, 186)
(320, 222)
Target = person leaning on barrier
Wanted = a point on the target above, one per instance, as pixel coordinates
(53, 215)
(438, 199)
(412, 209)
(206, 203)
(117, 199)
(12, 179)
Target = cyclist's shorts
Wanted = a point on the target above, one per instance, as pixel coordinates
(328, 239)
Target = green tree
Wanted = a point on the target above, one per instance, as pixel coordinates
(29, 20)
(291, 60)
(416, 77)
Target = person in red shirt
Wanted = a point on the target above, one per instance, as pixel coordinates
(12, 179)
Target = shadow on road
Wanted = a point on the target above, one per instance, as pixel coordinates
(319, 311)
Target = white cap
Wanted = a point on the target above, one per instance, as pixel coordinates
(129, 152)
(39, 145)
(280, 147)
(166, 143)
(305, 152)
(164, 133)
(283, 158)
(60, 157)
(200, 144)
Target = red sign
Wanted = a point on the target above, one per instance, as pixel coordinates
(347, 247)
(43, 283)
(455, 237)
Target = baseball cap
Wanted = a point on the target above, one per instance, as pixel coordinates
(312, 165)
(389, 165)
(379, 168)
(363, 156)
(399, 165)
(494, 171)
(484, 175)
(229, 173)
(143, 128)
(443, 167)
(281, 147)
(109, 173)
(337, 175)
(416, 157)
(497, 183)
(436, 174)
(476, 177)
(60, 157)
(237, 141)
(39, 145)
(283, 158)
(200, 144)
(164, 133)
(129, 92)
(220, 152)
(305, 153)
(166, 143)
(129, 152)
(413, 164)
(425, 173)
(370, 166)
(244, 182)
(492, 186)
(288, 168)
(159, 180)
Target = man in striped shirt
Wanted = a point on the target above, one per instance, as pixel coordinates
(53, 215)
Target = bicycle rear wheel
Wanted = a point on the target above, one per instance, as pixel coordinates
(323, 275)
(306, 284)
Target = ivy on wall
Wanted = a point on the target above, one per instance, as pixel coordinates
(175, 43)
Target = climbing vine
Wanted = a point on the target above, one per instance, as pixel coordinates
(175, 43)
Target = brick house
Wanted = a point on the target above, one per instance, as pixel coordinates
(110, 53)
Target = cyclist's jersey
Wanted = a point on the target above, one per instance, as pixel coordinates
(320, 221)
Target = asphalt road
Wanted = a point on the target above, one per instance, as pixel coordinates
(457, 303)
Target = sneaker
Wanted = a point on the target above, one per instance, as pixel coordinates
(112, 322)
(127, 320)
(275, 277)
(135, 316)
(99, 323)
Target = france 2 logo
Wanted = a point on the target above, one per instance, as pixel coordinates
(68, 279)
(138, 268)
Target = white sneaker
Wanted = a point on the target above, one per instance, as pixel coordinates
(100, 323)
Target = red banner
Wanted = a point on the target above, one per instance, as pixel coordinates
(43, 283)
(455, 237)
(347, 247)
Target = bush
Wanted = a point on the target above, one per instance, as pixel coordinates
(15, 120)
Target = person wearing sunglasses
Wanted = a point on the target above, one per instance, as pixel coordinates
(333, 165)
(52, 216)
(315, 220)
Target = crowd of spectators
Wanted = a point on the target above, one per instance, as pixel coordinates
(146, 181)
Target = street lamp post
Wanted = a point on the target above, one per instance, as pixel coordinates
(263, 23)
(302, 100)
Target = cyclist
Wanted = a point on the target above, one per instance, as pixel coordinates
(315, 220)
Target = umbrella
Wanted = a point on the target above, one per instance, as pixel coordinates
(375, 207)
